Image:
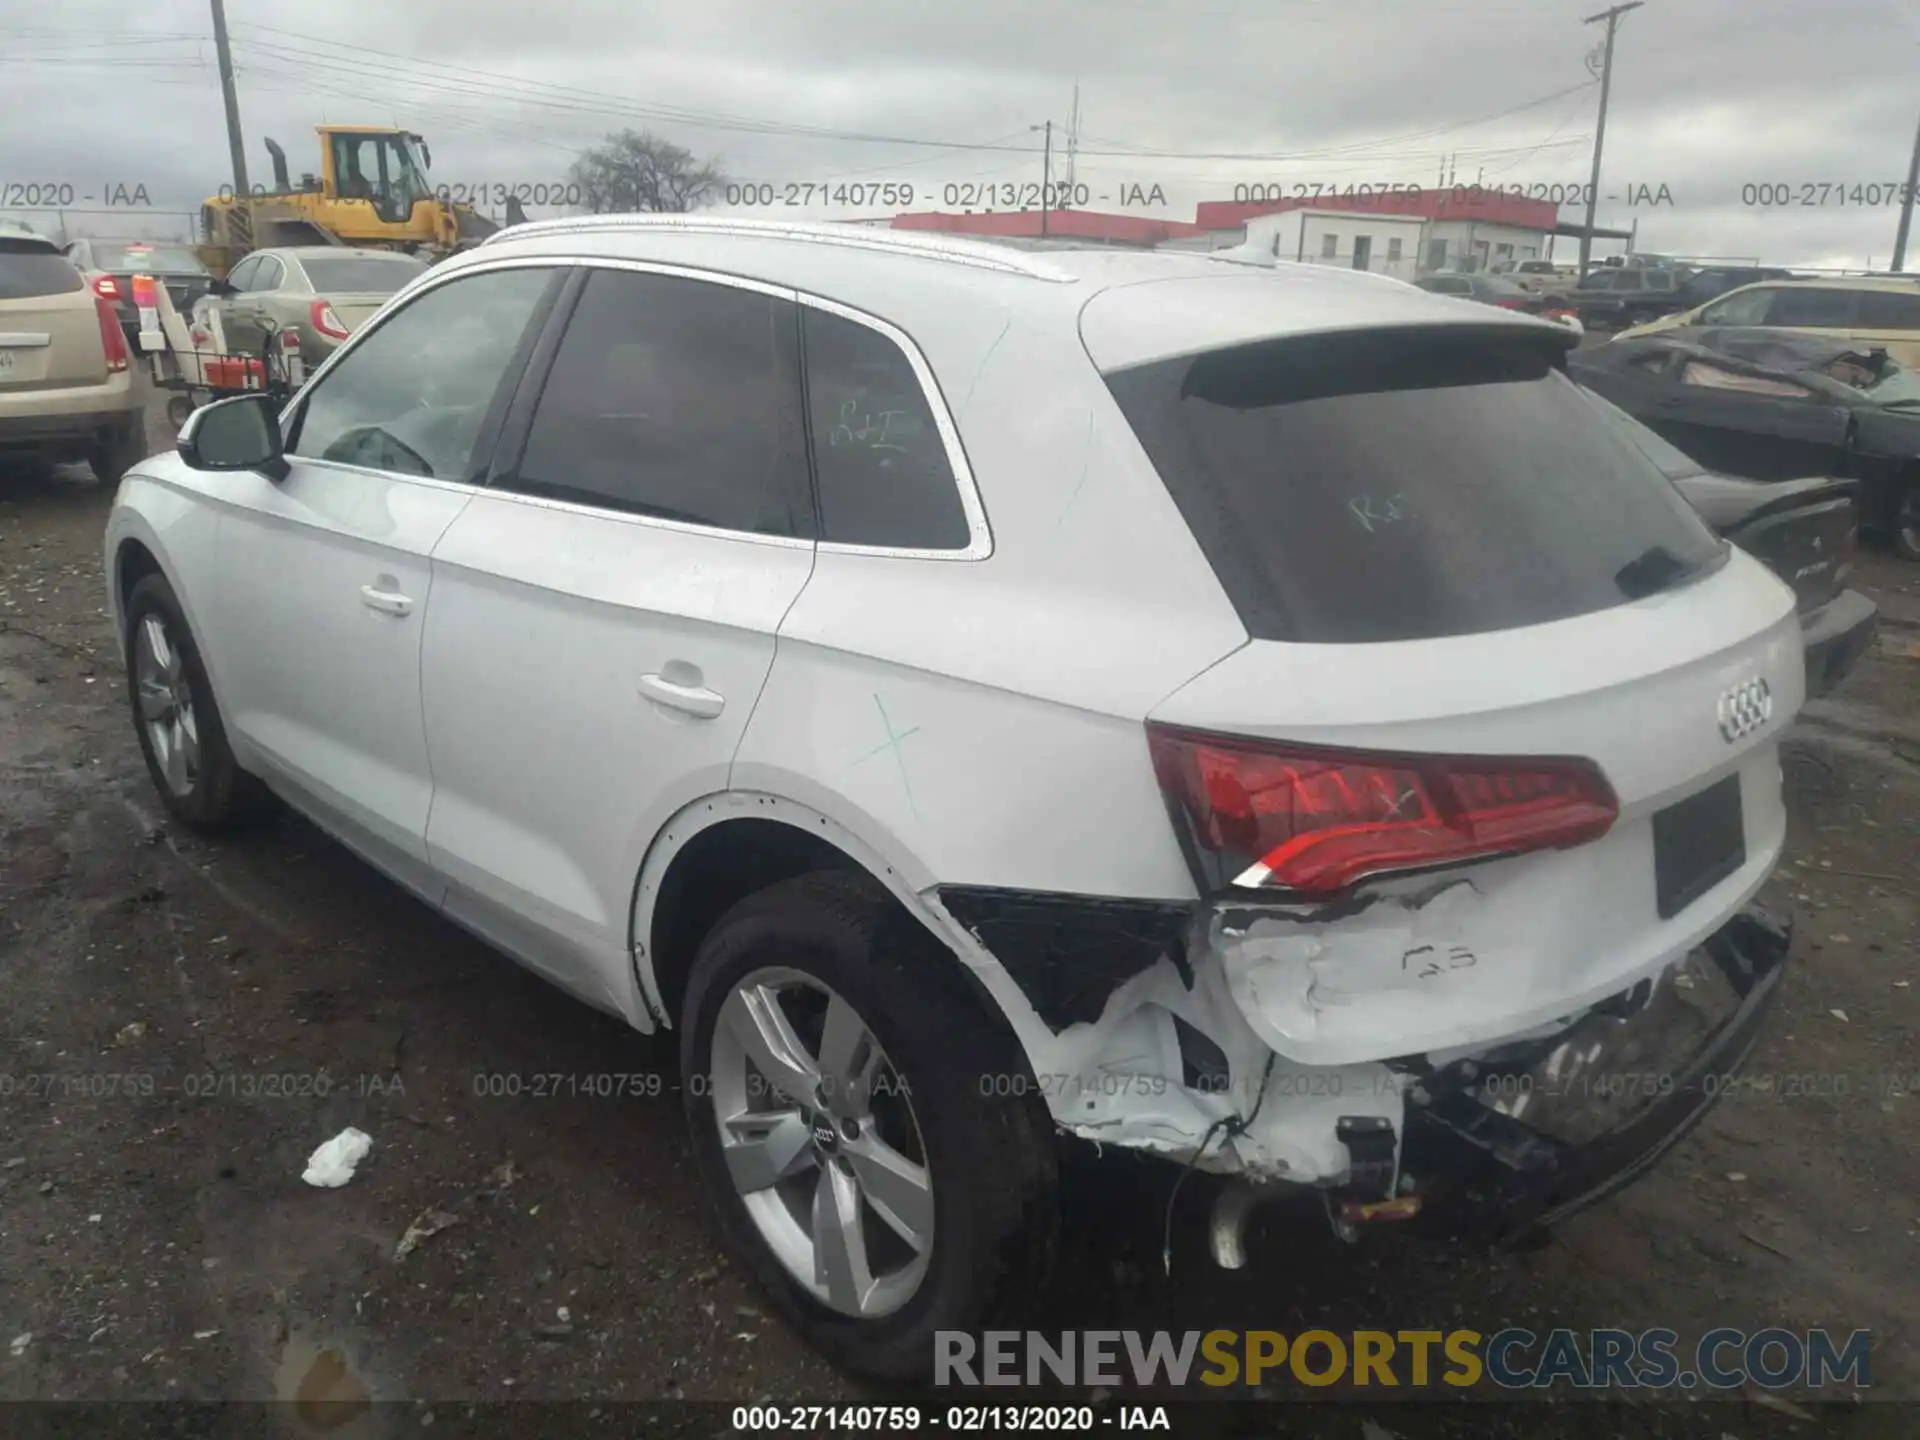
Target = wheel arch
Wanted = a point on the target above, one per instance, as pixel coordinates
(722, 847)
(134, 550)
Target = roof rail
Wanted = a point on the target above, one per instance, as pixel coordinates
(893, 242)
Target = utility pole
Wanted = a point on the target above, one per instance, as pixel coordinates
(235, 146)
(1046, 174)
(1906, 210)
(1073, 137)
(1612, 17)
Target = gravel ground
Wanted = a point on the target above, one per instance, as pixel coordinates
(156, 1240)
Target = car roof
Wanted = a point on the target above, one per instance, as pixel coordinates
(18, 230)
(1134, 306)
(1892, 283)
(331, 252)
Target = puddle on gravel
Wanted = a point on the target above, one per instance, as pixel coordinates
(326, 1393)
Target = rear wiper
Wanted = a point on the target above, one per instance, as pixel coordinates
(1658, 569)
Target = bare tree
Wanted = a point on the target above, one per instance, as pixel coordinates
(637, 170)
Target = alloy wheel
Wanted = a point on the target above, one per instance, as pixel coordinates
(166, 704)
(821, 1141)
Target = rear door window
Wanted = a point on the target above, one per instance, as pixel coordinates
(677, 399)
(879, 457)
(1808, 308)
(29, 269)
(1407, 484)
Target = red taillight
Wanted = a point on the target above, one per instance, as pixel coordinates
(106, 287)
(111, 335)
(1313, 820)
(325, 321)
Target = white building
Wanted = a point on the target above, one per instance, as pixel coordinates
(1351, 239)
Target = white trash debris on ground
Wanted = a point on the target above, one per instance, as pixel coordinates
(331, 1166)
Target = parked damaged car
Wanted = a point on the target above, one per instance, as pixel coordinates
(1804, 530)
(1272, 720)
(1777, 405)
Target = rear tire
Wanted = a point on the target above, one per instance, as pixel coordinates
(986, 1160)
(1906, 522)
(127, 448)
(177, 721)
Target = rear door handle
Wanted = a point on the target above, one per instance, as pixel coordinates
(387, 602)
(695, 700)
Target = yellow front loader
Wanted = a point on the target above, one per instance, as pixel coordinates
(372, 189)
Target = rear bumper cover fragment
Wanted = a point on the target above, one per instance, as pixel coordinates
(1836, 635)
(1507, 1145)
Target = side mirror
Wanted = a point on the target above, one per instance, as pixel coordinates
(241, 433)
(222, 287)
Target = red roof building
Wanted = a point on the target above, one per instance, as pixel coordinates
(1144, 231)
(1460, 202)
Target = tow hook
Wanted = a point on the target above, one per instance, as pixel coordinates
(1369, 1196)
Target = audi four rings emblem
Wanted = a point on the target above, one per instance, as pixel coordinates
(1744, 709)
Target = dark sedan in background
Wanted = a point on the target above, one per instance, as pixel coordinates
(1776, 405)
(1803, 530)
(110, 266)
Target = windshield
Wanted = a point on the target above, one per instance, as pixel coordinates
(1398, 484)
(382, 168)
(361, 274)
(132, 257)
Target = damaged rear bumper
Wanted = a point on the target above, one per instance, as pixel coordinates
(1502, 1146)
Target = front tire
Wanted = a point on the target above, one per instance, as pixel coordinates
(176, 720)
(842, 1090)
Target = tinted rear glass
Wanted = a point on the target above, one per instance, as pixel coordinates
(361, 274)
(1406, 484)
(28, 268)
(146, 259)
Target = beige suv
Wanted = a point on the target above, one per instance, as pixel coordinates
(1867, 310)
(66, 377)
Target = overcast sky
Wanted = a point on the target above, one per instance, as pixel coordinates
(1709, 97)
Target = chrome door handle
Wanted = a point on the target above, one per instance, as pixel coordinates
(695, 700)
(387, 602)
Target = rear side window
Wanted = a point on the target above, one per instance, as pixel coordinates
(1813, 309)
(678, 399)
(879, 458)
(1883, 310)
(1407, 484)
(29, 269)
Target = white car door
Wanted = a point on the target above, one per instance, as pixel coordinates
(324, 573)
(604, 614)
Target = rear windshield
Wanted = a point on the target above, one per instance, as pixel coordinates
(29, 268)
(147, 259)
(361, 274)
(1408, 484)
